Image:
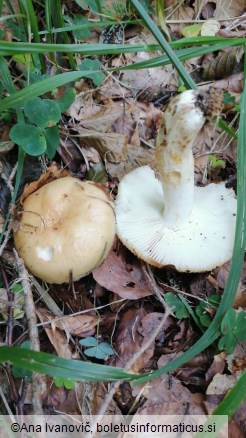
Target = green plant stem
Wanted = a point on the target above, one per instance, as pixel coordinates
(34, 28)
(57, 19)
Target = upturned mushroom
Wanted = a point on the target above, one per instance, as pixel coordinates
(66, 230)
(171, 221)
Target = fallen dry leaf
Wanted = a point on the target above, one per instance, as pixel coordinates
(170, 396)
(233, 84)
(72, 325)
(111, 146)
(210, 28)
(217, 367)
(128, 341)
(220, 384)
(224, 9)
(58, 340)
(179, 11)
(151, 322)
(71, 154)
(136, 157)
(126, 280)
(192, 372)
(223, 65)
(98, 392)
(221, 275)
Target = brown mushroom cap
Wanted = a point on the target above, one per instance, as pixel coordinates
(67, 227)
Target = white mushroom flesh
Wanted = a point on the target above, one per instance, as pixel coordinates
(172, 222)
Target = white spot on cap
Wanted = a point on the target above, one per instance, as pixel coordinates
(45, 253)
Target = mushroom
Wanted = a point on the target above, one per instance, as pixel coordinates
(66, 230)
(170, 221)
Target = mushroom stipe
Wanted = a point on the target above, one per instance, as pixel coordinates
(170, 221)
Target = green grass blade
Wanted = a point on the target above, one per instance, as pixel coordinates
(182, 54)
(13, 48)
(9, 6)
(163, 43)
(229, 404)
(208, 40)
(233, 399)
(55, 366)
(40, 88)
(5, 76)
(71, 27)
(58, 20)
(34, 28)
(9, 17)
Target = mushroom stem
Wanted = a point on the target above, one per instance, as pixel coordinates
(181, 122)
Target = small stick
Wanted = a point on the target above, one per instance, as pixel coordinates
(38, 381)
(11, 297)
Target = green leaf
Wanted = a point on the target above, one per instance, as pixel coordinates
(52, 137)
(228, 98)
(228, 322)
(20, 373)
(16, 288)
(90, 65)
(100, 351)
(216, 163)
(191, 30)
(205, 319)
(29, 137)
(106, 347)
(90, 341)
(89, 4)
(239, 327)
(59, 382)
(95, 352)
(214, 301)
(26, 60)
(66, 99)
(67, 383)
(42, 112)
(201, 310)
(180, 310)
(97, 173)
(228, 342)
(18, 30)
(79, 34)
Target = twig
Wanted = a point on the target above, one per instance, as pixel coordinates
(6, 238)
(38, 381)
(8, 180)
(6, 405)
(10, 322)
